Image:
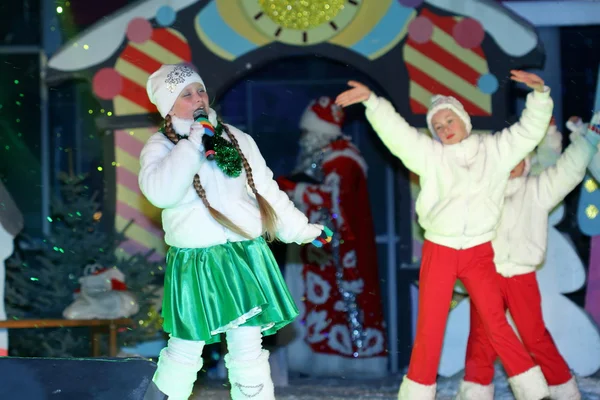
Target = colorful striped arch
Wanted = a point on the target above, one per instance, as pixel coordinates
(442, 66)
(138, 61)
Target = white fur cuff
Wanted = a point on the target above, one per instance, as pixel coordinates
(531, 384)
(566, 391)
(411, 390)
(475, 391)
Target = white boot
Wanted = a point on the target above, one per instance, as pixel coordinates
(411, 390)
(530, 384)
(250, 379)
(566, 391)
(474, 391)
(175, 379)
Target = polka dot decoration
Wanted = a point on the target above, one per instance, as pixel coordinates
(165, 16)
(139, 30)
(468, 33)
(488, 83)
(107, 83)
(420, 29)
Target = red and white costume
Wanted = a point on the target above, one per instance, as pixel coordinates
(520, 246)
(340, 331)
(459, 206)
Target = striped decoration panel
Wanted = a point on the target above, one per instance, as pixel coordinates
(135, 64)
(442, 66)
(138, 61)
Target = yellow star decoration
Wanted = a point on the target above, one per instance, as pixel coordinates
(590, 185)
(154, 321)
(301, 14)
(591, 211)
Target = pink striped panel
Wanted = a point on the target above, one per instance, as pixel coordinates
(130, 213)
(128, 143)
(128, 179)
(132, 247)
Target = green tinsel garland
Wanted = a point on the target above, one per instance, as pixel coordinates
(227, 157)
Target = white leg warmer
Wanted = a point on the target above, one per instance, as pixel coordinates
(475, 391)
(244, 343)
(178, 367)
(248, 365)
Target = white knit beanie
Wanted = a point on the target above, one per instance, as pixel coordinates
(439, 102)
(165, 84)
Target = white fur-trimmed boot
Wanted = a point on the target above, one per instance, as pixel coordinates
(175, 379)
(529, 385)
(250, 379)
(474, 391)
(411, 390)
(566, 391)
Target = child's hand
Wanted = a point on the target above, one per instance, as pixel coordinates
(324, 238)
(358, 94)
(531, 80)
(576, 125)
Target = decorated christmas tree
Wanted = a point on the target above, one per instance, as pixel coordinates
(42, 279)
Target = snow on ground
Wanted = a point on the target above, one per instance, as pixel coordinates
(385, 388)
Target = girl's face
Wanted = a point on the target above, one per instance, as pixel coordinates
(191, 98)
(448, 126)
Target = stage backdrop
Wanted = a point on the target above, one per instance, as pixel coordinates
(412, 48)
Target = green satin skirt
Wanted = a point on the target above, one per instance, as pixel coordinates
(211, 290)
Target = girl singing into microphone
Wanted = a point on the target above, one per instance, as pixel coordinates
(221, 276)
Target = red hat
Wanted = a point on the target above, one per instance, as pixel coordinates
(323, 116)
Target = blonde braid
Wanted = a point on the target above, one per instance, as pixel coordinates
(267, 213)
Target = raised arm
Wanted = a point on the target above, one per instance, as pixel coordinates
(550, 148)
(514, 143)
(167, 171)
(553, 184)
(292, 225)
(412, 147)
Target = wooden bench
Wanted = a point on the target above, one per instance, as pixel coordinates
(97, 327)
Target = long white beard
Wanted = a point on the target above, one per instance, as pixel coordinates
(310, 143)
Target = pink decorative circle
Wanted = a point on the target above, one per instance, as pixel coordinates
(420, 29)
(139, 30)
(468, 33)
(107, 83)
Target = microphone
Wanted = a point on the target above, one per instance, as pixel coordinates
(209, 133)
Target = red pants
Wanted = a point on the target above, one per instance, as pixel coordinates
(522, 298)
(440, 268)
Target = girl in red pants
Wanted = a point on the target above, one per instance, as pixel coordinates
(519, 247)
(462, 190)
